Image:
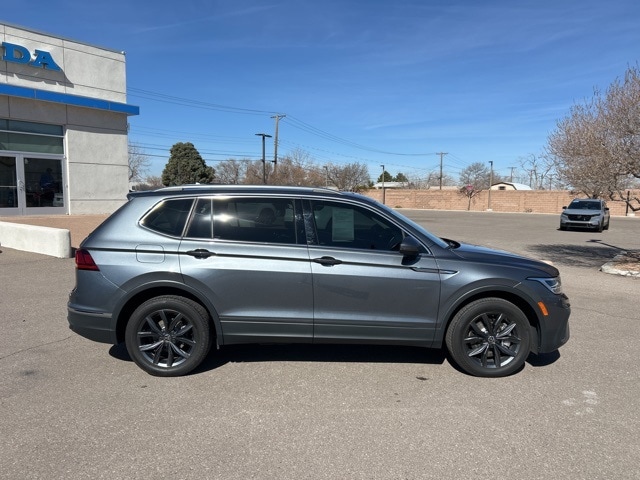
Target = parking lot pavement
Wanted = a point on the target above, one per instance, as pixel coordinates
(75, 409)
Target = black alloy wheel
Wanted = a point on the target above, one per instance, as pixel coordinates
(168, 336)
(489, 338)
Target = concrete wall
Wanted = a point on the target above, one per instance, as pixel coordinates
(97, 159)
(516, 201)
(32, 238)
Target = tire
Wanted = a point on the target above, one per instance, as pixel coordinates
(168, 336)
(489, 338)
(600, 227)
(563, 227)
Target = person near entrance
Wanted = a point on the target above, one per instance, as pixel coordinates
(47, 186)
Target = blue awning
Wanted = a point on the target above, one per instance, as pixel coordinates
(67, 99)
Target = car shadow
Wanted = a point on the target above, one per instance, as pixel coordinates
(325, 353)
(543, 359)
(328, 353)
(593, 254)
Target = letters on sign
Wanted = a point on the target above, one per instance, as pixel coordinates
(19, 54)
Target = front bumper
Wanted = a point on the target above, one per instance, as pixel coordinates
(553, 329)
(592, 223)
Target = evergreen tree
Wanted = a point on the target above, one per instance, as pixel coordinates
(186, 166)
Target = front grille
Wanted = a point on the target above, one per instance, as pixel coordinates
(580, 218)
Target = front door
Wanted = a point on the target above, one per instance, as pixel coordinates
(31, 185)
(364, 289)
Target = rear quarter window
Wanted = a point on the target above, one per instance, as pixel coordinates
(168, 217)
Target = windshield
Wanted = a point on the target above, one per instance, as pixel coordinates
(585, 205)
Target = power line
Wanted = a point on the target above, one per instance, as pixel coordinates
(160, 97)
(290, 120)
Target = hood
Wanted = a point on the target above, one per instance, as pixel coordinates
(476, 253)
(581, 211)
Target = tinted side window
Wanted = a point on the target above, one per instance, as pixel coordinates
(244, 219)
(169, 216)
(350, 226)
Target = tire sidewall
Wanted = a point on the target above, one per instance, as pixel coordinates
(460, 324)
(196, 315)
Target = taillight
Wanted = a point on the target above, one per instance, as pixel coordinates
(84, 261)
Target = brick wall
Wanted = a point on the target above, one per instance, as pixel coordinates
(516, 201)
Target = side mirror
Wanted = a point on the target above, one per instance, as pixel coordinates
(410, 247)
(564, 208)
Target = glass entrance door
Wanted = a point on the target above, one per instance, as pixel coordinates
(43, 184)
(8, 185)
(31, 185)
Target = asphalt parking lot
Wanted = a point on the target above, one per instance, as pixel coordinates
(75, 409)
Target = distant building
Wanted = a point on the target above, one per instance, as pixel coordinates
(391, 185)
(510, 186)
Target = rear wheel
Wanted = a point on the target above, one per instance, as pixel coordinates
(489, 338)
(168, 336)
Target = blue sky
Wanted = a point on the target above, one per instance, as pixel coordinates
(378, 82)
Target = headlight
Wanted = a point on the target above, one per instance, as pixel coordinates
(553, 284)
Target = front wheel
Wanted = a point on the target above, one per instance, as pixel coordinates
(168, 336)
(489, 338)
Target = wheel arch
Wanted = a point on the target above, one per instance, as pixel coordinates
(525, 306)
(138, 297)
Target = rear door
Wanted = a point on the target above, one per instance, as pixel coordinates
(249, 257)
(364, 289)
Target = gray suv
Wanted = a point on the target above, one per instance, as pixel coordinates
(590, 213)
(177, 270)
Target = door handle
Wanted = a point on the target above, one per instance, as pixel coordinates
(200, 253)
(327, 261)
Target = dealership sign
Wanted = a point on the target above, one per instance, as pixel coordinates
(19, 54)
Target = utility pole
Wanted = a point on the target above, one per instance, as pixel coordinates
(264, 167)
(275, 142)
(490, 183)
(511, 177)
(383, 194)
(442, 154)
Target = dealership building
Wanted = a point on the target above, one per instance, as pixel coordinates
(63, 125)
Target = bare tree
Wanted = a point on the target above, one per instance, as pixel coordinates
(474, 179)
(255, 174)
(351, 177)
(477, 175)
(538, 169)
(154, 182)
(232, 171)
(596, 147)
(297, 168)
(470, 192)
(139, 163)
